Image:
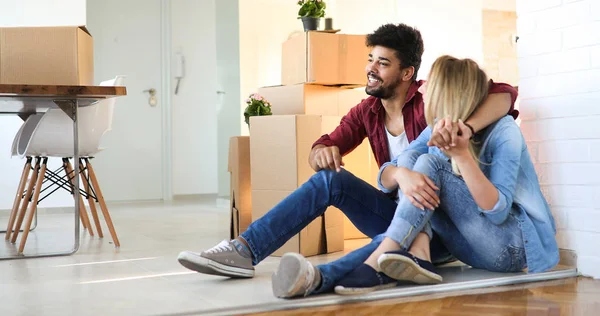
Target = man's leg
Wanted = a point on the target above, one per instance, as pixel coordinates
(369, 209)
(296, 276)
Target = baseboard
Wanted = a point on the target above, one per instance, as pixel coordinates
(194, 197)
(220, 201)
(568, 257)
(43, 211)
(223, 201)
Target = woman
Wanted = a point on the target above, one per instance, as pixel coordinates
(481, 195)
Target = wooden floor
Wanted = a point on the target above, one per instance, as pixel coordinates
(576, 296)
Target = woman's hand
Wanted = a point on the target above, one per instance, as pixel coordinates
(445, 132)
(461, 136)
(418, 188)
(442, 135)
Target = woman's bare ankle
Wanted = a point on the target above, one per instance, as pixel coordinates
(420, 247)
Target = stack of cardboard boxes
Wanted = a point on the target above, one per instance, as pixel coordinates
(319, 73)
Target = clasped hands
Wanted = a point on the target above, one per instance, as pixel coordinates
(452, 138)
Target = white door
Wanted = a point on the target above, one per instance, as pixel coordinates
(127, 41)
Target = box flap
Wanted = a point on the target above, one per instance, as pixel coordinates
(84, 28)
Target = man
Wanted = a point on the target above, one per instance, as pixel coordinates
(391, 117)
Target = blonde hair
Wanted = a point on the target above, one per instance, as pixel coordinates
(455, 88)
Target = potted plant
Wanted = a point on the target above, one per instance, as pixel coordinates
(257, 106)
(310, 12)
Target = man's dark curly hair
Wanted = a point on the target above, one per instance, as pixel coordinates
(405, 40)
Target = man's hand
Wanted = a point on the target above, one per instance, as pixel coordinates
(322, 157)
(444, 134)
(418, 188)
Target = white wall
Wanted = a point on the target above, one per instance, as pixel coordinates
(260, 44)
(31, 13)
(42, 12)
(500, 5)
(559, 65)
(447, 27)
(194, 107)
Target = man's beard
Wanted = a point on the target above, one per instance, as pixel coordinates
(383, 92)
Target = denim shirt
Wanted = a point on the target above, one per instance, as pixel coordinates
(505, 161)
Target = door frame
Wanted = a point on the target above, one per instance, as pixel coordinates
(167, 130)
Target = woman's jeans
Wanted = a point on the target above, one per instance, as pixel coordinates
(460, 224)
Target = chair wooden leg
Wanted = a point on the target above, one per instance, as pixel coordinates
(33, 206)
(18, 198)
(85, 178)
(102, 203)
(28, 196)
(82, 210)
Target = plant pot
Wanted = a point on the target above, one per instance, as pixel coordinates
(310, 23)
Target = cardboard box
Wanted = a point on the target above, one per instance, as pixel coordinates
(324, 58)
(46, 55)
(240, 190)
(312, 99)
(279, 150)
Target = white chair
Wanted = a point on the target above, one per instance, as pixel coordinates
(50, 134)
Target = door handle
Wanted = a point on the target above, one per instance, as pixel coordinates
(152, 100)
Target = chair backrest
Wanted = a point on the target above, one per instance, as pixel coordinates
(25, 133)
(54, 133)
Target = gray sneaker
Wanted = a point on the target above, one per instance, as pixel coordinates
(295, 276)
(223, 259)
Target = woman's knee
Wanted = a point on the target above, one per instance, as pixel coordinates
(429, 162)
(408, 158)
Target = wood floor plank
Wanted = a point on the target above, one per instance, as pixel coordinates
(575, 296)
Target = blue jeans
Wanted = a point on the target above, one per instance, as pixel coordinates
(369, 209)
(464, 230)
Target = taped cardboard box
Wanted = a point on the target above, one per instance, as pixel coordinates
(312, 99)
(61, 55)
(240, 191)
(279, 150)
(324, 58)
